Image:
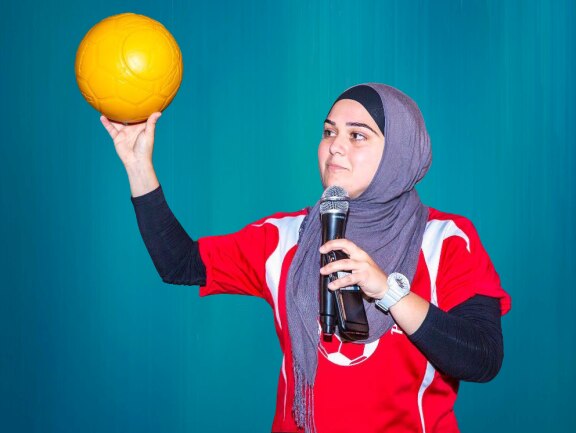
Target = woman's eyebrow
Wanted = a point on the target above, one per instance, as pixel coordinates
(358, 124)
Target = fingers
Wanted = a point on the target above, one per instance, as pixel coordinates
(151, 122)
(345, 245)
(345, 281)
(112, 130)
(359, 268)
(340, 265)
(355, 270)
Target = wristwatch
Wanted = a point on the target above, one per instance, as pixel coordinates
(398, 287)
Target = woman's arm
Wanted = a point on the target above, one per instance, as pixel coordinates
(464, 343)
(409, 313)
(174, 254)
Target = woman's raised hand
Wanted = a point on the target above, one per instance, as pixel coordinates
(134, 143)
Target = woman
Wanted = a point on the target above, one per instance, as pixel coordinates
(438, 300)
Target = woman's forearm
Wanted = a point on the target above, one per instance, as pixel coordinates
(464, 343)
(409, 312)
(174, 254)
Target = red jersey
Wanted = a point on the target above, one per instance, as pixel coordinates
(395, 387)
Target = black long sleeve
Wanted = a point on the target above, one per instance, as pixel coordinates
(174, 254)
(464, 343)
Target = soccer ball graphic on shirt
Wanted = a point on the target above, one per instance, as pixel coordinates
(346, 354)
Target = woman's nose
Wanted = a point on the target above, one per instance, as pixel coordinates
(338, 145)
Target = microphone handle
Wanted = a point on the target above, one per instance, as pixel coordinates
(333, 225)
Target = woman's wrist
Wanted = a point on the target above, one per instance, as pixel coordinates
(409, 312)
(138, 165)
(142, 178)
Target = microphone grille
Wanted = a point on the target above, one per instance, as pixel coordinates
(334, 198)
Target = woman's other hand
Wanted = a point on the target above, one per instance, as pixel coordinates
(364, 271)
(408, 313)
(134, 143)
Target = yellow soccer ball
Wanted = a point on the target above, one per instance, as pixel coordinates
(128, 66)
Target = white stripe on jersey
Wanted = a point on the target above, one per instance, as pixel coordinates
(285, 384)
(288, 228)
(434, 235)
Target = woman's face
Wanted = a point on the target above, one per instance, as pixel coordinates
(351, 148)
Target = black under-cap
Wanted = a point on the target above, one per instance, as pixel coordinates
(370, 99)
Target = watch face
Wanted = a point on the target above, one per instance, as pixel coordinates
(401, 282)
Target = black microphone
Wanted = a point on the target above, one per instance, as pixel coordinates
(344, 307)
(333, 212)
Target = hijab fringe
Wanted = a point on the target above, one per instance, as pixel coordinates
(303, 407)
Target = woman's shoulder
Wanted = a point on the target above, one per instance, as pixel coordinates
(440, 220)
(435, 214)
(282, 215)
(442, 215)
(456, 256)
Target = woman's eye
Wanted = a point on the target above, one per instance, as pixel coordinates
(357, 136)
(327, 133)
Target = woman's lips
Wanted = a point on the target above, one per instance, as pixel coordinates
(335, 167)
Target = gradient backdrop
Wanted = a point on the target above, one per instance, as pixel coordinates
(91, 340)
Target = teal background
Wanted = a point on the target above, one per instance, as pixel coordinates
(91, 340)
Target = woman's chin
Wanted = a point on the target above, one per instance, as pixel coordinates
(332, 180)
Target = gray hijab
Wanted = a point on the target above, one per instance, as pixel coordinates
(387, 221)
